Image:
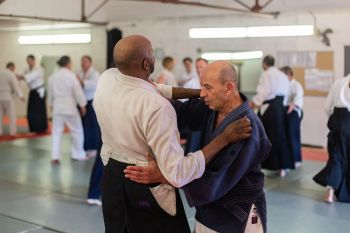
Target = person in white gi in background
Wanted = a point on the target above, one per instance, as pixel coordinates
(201, 63)
(167, 76)
(271, 99)
(36, 111)
(335, 176)
(64, 94)
(189, 79)
(294, 114)
(88, 77)
(9, 87)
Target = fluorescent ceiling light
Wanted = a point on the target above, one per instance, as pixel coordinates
(232, 56)
(218, 32)
(272, 31)
(53, 26)
(55, 39)
(264, 31)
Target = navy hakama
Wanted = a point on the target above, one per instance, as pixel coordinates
(36, 112)
(92, 133)
(337, 170)
(274, 120)
(135, 207)
(293, 129)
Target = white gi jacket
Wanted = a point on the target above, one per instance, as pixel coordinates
(169, 77)
(35, 79)
(272, 83)
(296, 93)
(90, 80)
(192, 80)
(9, 86)
(144, 121)
(65, 93)
(338, 96)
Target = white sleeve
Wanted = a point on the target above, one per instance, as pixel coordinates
(165, 90)
(32, 76)
(15, 86)
(262, 91)
(299, 96)
(163, 138)
(345, 94)
(329, 106)
(78, 93)
(91, 83)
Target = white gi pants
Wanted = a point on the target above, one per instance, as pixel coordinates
(250, 228)
(75, 127)
(7, 108)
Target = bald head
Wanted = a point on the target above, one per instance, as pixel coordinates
(133, 55)
(221, 70)
(219, 88)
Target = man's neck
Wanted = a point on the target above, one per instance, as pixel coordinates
(86, 69)
(134, 73)
(231, 105)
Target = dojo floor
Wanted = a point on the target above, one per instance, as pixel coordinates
(37, 197)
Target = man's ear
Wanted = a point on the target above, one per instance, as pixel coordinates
(145, 65)
(230, 86)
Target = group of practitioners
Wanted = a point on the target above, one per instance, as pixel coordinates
(69, 96)
(132, 123)
(10, 90)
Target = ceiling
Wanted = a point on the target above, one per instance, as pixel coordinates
(124, 10)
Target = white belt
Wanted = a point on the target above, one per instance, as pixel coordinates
(121, 157)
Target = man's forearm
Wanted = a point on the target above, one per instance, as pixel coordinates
(210, 150)
(182, 93)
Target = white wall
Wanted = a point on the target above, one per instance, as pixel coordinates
(172, 36)
(12, 51)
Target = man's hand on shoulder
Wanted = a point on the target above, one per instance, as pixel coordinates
(237, 131)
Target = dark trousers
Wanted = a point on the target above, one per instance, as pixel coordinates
(36, 113)
(275, 123)
(95, 179)
(129, 207)
(336, 173)
(92, 132)
(293, 126)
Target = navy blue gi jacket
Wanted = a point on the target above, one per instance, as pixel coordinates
(233, 181)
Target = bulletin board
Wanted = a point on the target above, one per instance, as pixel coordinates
(316, 76)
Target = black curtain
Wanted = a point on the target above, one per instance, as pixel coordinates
(113, 36)
(346, 60)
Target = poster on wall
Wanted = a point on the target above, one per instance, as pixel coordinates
(313, 69)
(318, 80)
(296, 59)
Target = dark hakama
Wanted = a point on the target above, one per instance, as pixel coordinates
(37, 117)
(275, 123)
(233, 181)
(337, 171)
(129, 207)
(94, 191)
(293, 129)
(92, 133)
